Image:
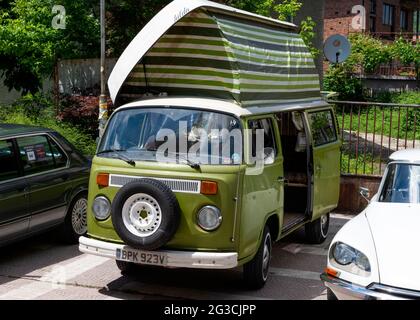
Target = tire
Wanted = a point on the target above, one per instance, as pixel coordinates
(257, 270)
(316, 232)
(145, 214)
(125, 267)
(331, 295)
(75, 223)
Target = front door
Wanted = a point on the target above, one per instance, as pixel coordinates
(263, 187)
(326, 161)
(14, 215)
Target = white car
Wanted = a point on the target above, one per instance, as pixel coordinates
(376, 254)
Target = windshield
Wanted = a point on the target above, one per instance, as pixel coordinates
(174, 134)
(402, 184)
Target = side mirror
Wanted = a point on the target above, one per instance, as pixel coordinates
(365, 193)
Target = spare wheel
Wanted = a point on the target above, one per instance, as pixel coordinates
(145, 214)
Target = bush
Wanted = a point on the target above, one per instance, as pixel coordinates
(44, 117)
(339, 79)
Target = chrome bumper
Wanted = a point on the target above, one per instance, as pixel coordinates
(344, 290)
(179, 259)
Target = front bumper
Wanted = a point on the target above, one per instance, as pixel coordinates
(345, 290)
(179, 259)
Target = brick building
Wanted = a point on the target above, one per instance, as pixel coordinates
(385, 18)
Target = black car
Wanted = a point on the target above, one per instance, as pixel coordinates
(43, 184)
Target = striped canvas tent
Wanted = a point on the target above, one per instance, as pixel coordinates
(210, 50)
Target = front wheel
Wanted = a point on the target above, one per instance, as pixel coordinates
(316, 232)
(256, 271)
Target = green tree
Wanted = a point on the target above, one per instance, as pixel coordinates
(29, 46)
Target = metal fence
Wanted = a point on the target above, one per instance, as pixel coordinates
(372, 131)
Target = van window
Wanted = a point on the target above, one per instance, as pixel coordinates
(35, 153)
(322, 127)
(8, 164)
(269, 139)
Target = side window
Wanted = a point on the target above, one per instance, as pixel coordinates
(269, 139)
(35, 153)
(322, 127)
(8, 164)
(58, 154)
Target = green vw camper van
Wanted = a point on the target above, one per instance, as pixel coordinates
(220, 146)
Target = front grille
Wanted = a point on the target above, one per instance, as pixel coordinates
(176, 185)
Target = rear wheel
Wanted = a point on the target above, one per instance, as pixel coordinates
(256, 271)
(75, 223)
(316, 232)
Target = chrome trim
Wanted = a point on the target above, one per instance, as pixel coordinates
(176, 185)
(403, 293)
(179, 259)
(345, 290)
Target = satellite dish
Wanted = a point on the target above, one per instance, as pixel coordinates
(337, 48)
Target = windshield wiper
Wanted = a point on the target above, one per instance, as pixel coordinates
(192, 164)
(119, 155)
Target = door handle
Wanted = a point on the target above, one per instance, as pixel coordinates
(281, 180)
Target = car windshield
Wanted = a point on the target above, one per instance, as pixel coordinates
(179, 135)
(402, 184)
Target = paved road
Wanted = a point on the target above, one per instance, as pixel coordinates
(43, 268)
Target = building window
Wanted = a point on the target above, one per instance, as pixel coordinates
(388, 15)
(373, 7)
(404, 20)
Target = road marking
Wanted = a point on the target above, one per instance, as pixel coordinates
(341, 216)
(54, 279)
(292, 273)
(296, 248)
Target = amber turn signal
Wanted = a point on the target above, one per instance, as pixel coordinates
(102, 179)
(331, 272)
(208, 187)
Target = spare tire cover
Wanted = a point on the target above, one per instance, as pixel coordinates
(145, 214)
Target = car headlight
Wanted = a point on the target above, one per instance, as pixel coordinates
(209, 218)
(349, 259)
(101, 208)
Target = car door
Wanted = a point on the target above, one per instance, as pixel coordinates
(14, 215)
(262, 187)
(326, 160)
(45, 166)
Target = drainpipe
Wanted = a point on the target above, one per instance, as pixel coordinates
(103, 105)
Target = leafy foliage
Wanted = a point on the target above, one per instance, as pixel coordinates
(339, 78)
(29, 46)
(43, 115)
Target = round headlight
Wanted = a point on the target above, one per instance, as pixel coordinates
(209, 218)
(101, 208)
(344, 254)
(362, 262)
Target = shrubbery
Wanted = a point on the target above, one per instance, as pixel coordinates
(37, 110)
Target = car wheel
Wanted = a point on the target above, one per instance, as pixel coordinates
(316, 232)
(145, 214)
(75, 223)
(125, 267)
(331, 295)
(256, 271)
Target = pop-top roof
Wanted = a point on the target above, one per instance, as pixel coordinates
(201, 48)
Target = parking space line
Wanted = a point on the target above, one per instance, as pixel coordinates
(55, 279)
(293, 273)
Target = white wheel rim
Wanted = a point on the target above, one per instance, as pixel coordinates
(324, 222)
(266, 256)
(79, 216)
(141, 215)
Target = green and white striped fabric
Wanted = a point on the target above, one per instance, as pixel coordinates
(211, 55)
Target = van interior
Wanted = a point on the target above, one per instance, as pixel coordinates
(297, 166)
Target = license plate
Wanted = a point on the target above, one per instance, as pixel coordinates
(142, 257)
